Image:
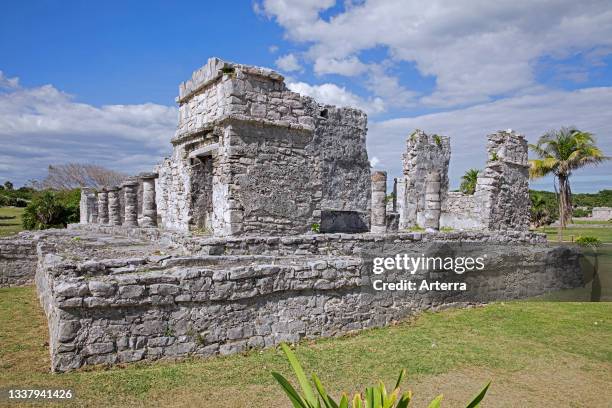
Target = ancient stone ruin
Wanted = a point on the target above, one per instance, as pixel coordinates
(263, 226)
(500, 202)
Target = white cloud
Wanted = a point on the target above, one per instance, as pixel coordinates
(8, 83)
(476, 49)
(374, 161)
(288, 63)
(529, 114)
(347, 66)
(332, 94)
(42, 125)
(273, 49)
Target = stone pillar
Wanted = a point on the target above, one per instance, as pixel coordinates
(87, 206)
(92, 206)
(432, 201)
(114, 206)
(149, 207)
(103, 206)
(130, 191)
(378, 212)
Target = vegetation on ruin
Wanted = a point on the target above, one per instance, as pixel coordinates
(437, 140)
(560, 152)
(453, 352)
(468, 181)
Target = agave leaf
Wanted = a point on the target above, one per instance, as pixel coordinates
(327, 400)
(377, 403)
(404, 400)
(390, 400)
(383, 391)
(293, 395)
(476, 401)
(401, 376)
(357, 403)
(343, 401)
(309, 396)
(436, 402)
(369, 397)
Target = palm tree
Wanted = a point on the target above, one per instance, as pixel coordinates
(560, 152)
(539, 213)
(468, 181)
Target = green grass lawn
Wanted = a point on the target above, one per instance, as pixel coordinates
(592, 222)
(10, 220)
(536, 354)
(570, 234)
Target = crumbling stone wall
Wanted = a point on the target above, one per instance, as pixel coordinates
(150, 307)
(461, 211)
(264, 138)
(424, 153)
(501, 199)
(17, 260)
(274, 179)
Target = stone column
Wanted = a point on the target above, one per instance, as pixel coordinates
(103, 206)
(378, 211)
(114, 206)
(83, 206)
(130, 191)
(432, 201)
(149, 207)
(92, 206)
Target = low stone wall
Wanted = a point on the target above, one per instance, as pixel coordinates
(252, 292)
(17, 260)
(601, 213)
(461, 211)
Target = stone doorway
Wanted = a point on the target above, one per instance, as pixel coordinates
(201, 193)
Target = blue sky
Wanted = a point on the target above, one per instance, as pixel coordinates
(96, 81)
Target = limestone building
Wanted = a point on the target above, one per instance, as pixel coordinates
(251, 156)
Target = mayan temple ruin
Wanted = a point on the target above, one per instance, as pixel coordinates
(262, 227)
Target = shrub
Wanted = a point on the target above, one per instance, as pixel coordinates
(315, 227)
(588, 241)
(374, 397)
(52, 210)
(579, 212)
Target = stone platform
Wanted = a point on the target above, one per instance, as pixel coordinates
(118, 294)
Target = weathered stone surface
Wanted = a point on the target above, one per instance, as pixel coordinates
(149, 206)
(251, 156)
(88, 208)
(114, 206)
(424, 153)
(103, 206)
(130, 191)
(123, 309)
(378, 221)
(432, 201)
(17, 259)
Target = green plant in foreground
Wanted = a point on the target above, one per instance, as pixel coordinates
(315, 227)
(374, 397)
